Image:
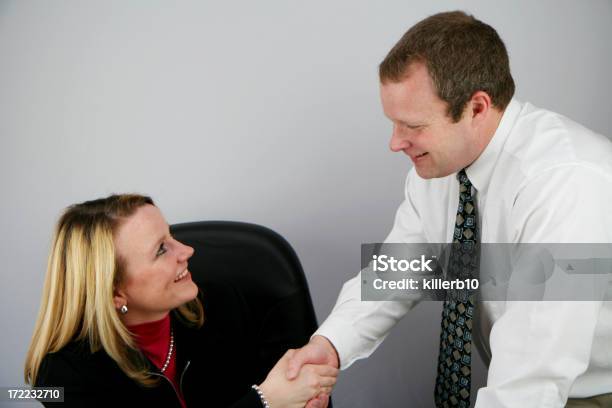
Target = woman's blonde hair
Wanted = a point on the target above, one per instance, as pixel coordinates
(77, 301)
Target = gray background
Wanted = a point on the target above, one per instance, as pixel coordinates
(265, 112)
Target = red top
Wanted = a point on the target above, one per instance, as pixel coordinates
(153, 339)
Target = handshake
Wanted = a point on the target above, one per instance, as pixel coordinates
(303, 377)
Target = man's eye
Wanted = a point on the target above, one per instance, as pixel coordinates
(413, 127)
(162, 250)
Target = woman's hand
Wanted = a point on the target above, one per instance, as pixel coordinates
(311, 381)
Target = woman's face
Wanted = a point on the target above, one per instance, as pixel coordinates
(155, 278)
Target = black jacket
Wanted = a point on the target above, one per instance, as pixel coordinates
(216, 364)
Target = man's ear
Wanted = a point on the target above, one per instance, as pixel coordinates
(480, 106)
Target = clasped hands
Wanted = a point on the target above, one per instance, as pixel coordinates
(303, 377)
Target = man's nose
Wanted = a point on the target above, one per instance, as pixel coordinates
(398, 142)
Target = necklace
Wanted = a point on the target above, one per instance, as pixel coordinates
(170, 350)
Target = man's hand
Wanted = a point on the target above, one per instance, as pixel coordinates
(318, 351)
(313, 380)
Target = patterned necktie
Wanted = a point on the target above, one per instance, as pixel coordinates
(454, 362)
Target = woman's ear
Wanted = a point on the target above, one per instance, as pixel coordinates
(119, 298)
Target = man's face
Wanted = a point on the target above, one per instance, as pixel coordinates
(421, 128)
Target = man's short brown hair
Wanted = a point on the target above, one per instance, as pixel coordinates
(463, 55)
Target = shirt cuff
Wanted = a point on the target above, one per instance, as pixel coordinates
(348, 344)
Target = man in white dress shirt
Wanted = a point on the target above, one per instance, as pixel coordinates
(537, 177)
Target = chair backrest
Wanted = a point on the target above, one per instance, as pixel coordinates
(264, 268)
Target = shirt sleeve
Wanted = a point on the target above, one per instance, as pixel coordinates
(540, 348)
(249, 400)
(356, 328)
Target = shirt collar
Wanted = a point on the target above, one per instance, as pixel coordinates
(479, 172)
(151, 333)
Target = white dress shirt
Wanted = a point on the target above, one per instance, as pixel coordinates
(541, 179)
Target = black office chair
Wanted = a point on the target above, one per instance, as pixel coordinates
(265, 269)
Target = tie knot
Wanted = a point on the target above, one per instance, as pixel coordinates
(463, 179)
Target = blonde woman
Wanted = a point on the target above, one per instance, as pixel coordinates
(122, 323)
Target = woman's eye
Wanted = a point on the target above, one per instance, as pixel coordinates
(162, 250)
